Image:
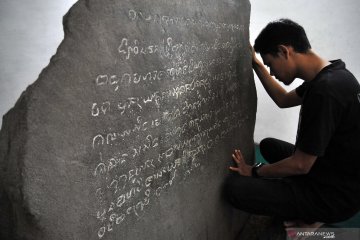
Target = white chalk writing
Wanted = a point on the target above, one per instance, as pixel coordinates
(182, 21)
(155, 125)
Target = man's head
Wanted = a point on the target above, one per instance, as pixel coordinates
(278, 43)
(282, 32)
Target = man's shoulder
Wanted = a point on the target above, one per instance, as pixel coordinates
(336, 82)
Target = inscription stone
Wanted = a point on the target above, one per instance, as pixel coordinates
(128, 133)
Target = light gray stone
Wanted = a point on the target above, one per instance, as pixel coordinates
(128, 133)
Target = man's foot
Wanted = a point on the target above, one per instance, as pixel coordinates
(292, 228)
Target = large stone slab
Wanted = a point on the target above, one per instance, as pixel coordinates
(128, 133)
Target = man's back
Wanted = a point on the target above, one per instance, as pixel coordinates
(330, 129)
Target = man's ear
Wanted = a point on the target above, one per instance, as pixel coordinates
(284, 51)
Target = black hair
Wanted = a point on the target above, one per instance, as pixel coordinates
(282, 32)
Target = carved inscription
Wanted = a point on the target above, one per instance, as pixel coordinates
(170, 129)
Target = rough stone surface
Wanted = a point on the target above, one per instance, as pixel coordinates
(128, 133)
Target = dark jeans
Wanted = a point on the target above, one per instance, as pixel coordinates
(272, 197)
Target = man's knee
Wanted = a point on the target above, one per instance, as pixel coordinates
(266, 145)
(235, 188)
(274, 150)
(227, 185)
(228, 189)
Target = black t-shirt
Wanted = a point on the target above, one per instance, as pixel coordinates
(329, 127)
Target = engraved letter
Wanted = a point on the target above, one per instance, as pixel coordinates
(98, 142)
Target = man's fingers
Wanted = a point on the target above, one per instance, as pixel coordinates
(234, 169)
(251, 48)
(235, 158)
(239, 155)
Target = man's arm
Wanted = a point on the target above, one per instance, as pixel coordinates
(298, 164)
(279, 95)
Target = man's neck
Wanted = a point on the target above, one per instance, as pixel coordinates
(309, 65)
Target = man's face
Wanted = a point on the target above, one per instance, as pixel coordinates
(280, 67)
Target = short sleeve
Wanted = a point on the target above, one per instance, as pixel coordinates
(319, 118)
(300, 91)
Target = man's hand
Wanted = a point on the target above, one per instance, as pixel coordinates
(255, 60)
(242, 168)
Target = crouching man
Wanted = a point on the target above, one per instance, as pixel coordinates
(317, 180)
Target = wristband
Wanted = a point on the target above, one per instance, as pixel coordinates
(255, 168)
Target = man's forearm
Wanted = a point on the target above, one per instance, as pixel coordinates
(272, 87)
(283, 168)
(298, 164)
